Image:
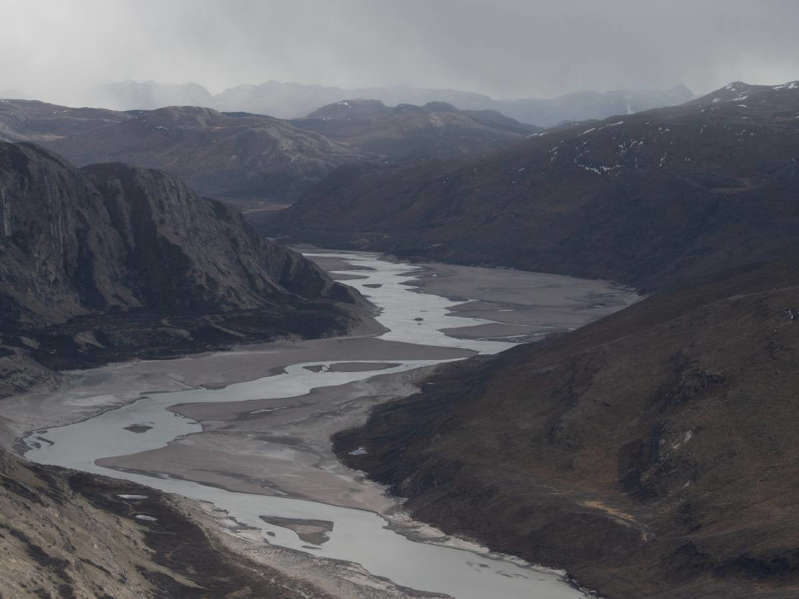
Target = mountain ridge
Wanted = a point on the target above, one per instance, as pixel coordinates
(409, 133)
(295, 100)
(249, 159)
(645, 199)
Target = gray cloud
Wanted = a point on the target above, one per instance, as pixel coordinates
(506, 48)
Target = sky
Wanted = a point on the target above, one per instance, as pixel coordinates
(504, 48)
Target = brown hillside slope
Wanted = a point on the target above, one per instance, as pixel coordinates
(652, 454)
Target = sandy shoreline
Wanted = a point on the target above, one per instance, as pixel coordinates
(531, 307)
(289, 436)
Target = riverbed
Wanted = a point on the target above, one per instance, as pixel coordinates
(248, 430)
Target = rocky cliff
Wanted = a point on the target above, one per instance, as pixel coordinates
(111, 261)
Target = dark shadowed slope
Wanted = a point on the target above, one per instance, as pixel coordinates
(112, 261)
(647, 199)
(652, 454)
(31, 120)
(252, 158)
(235, 156)
(408, 133)
(239, 156)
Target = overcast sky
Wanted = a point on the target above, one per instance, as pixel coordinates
(505, 48)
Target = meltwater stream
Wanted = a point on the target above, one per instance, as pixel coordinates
(357, 536)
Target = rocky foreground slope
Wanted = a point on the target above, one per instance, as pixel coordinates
(652, 453)
(647, 199)
(70, 535)
(110, 262)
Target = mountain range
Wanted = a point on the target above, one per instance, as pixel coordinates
(252, 159)
(294, 100)
(648, 199)
(649, 453)
(236, 156)
(409, 133)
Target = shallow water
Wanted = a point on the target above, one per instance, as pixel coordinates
(358, 536)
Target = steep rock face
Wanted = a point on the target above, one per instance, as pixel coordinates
(647, 199)
(112, 261)
(54, 225)
(651, 453)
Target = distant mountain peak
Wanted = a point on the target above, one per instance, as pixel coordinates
(740, 93)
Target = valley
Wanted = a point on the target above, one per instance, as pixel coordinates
(363, 300)
(656, 199)
(260, 449)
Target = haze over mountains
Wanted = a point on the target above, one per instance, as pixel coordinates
(294, 100)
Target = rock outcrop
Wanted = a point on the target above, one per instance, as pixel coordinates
(110, 261)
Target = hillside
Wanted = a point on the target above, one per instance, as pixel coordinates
(242, 157)
(652, 453)
(255, 160)
(237, 156)
(110, 261)
(72, 535)
(648, 199)
(408, 133)
(31, 120)
(148, 95)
